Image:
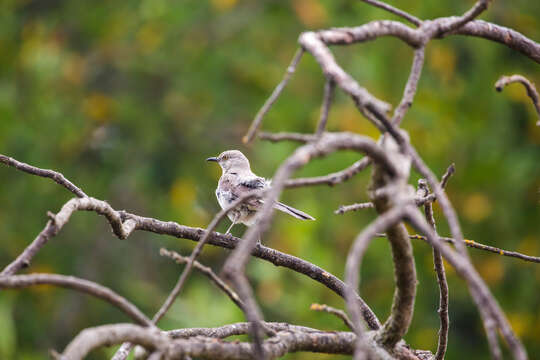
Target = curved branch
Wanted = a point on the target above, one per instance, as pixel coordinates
(53, 226)
(71, 282)
(506, 36)
(529, 86)
(55, 176)
(352, 266)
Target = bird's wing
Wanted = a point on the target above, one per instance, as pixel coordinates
(254, 183)
(250, 184)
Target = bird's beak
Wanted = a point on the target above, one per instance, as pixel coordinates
(212, 159)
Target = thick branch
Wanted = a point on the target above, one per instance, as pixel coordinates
(291, 340)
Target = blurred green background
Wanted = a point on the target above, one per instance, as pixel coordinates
(128, 98)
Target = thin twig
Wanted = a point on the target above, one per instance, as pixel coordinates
(454, 23)
(488, 307)
(339, 313)
(206, 271)
(354, 207)
(475, 245)
(54, 175)
(529, 86)
(423, 189)
(275, 94)
(411, 86)
(325, 108)
(287, 136)
(187, 270)
(410, 18)
(82, 285)
(333, 178)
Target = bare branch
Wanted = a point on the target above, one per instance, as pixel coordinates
(410, 18)
(360, 244)
(450, 24)
(354, 207)
(333, 178)
(287, 136)
(120, 229)
(206, 271)
(71, 282)
(410, 88)
(275, 94)
(55, 176)
(339, 313)
(511, 38)
(487, 305)
(315, 44)
(213, 224)
(260, 251)
(290, 340)
(423, 190)
(187, 270)
(529, 86)
(475, 245)
(325, 108)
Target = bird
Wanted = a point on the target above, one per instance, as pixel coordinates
(236, 180)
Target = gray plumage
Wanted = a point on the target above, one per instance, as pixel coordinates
(236, 180)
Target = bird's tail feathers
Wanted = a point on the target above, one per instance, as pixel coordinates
(293, 212)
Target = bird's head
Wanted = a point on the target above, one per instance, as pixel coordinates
(231, 161)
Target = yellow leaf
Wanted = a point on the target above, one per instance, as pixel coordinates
(310, 12)
(491, 270)
(97, 106)
(183, 193)
(476, 207)
(269, 291)
(441, 60)
(224, 5)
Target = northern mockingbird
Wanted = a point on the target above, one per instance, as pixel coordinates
(237, 180)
